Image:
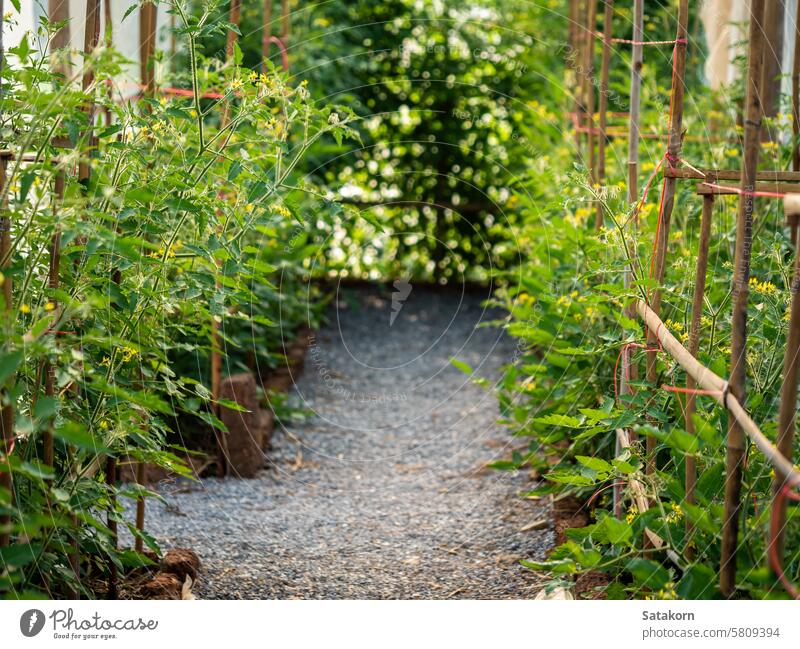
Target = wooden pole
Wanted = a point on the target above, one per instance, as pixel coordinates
(668, 198)
(58, 12)
(788, 408)
(147, 42)
(796, 97)
(694, 345)
(90, 42)
(286, 21)
(744, 230)
(608, 20)
(235, 15)
(774, 12)
(635, 101)
(717, 389)
(591, 25)
(578, 58)
(111, 523)
(6, 406)
(266, 32)
(629, 369)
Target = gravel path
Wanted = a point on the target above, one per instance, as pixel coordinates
(380, 492)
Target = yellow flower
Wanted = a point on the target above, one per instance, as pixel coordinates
(24, 308)
(49, 306)
(128, 353)
(676, 515)
(236, 84)
(281, 210)
(764, 288)
(104, 424)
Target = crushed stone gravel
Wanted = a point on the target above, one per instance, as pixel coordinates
(380, 490)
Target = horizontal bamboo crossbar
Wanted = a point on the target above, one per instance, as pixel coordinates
(776, 188)
(718, 387)
(687, 173)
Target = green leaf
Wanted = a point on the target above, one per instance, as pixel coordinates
(20, 554)
(560, 420)
(75, 434)
(9, 362)
(618, 532)
(595, 464)
(698, 582)
(461, 365)
(647, 573)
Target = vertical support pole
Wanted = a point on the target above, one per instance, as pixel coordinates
(629, 369)
(637, 60)
(788, 408)
(735, 451)
(90, 41)
(286, 21)
(6, 406)
(668, 198)
(58, 12)
(216, 352)
(591, 26)
(111, 523)
(796, 99)
(141, 479)
(608, 20)
(266, 33)
(773, 55)
(235, 15)
(694, 345)
(53, 283)
(578, 62)
(147, 43)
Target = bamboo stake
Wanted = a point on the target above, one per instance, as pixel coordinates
(591, 25)
(111, 523)
(796, 95)
(141, 479)
(577, 62)
(90, 42)
(147, 37)
(773, 53)
(788, 408)
(629, 369)
(216, 352)
(744, 229)
(637, 61)
(147, 42)
(608, 19)
(6, 409)
(285, 22)
(668, 198)
(235, 15)
(58, 12)
(266, 33)
(718, 389)
(53, 283)
(694, 345)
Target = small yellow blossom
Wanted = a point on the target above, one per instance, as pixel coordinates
(49, 306)
(24, 308)
(280, 210)
(764, 288)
